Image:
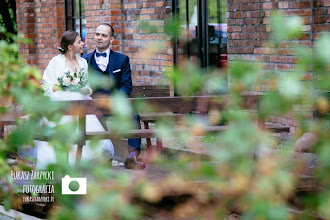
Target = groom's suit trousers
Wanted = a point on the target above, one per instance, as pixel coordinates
(133, 143)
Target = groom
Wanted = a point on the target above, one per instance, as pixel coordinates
(105, 61)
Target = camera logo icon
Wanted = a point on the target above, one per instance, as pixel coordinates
(74, 186)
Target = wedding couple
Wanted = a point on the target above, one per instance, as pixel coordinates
(103, 61)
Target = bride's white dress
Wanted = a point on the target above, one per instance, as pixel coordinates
(44, 153)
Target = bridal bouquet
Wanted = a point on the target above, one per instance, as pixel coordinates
(72, 82)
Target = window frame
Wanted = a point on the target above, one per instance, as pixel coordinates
(73, 17)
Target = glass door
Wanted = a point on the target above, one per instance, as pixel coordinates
(204, 38)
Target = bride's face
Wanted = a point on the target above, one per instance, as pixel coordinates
(78, 45)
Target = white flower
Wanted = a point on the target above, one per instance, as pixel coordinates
(66, 81)
(75, 81)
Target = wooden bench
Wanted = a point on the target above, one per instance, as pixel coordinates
(161, 106)
(143, 91)
(180, 105)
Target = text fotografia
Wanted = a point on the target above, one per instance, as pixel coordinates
(38, 189)
(32, 175)
(27, 199)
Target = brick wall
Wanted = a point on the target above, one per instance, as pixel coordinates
(50, 25)
(130, 40)
(249, 28)
(42, 21)
(321, 17)
(26, 26)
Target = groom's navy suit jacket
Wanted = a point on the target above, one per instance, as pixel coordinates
(118, 70)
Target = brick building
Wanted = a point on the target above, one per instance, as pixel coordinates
(247, 21)
(44, 22)
(249, 27)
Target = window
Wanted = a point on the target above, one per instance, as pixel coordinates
(75, 19)
(204, 22)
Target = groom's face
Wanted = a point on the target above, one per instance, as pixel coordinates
(103, 37)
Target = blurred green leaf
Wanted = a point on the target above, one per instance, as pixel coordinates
(290, 86)
(323, 48)
(244, 75)
(188, 79)
(98, 81)
(172, 28)
(285, 28)
(122, 119)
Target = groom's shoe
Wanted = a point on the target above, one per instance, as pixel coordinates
(133, 163)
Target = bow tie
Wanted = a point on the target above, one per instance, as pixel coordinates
(101, 54)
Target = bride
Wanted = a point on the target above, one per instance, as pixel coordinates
(59, 85)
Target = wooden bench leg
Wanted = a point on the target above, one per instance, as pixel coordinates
(78, 153)
(149, 147)
(151, 154)
(82, 142)
(159, 145)
(2, 130)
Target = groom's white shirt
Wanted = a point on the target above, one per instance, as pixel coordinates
(101, 61)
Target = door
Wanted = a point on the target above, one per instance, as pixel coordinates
(204, 38)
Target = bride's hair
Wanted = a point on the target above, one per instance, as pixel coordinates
(67, 39)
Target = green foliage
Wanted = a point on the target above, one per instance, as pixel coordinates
(172, 28)
(244, 75)
(122, 113)
(244, 174)
(213, 13)
(285, 28)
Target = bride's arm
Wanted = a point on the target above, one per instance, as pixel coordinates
(87, 90)
(49, 78)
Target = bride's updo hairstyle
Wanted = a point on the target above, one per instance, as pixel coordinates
(67, 39)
